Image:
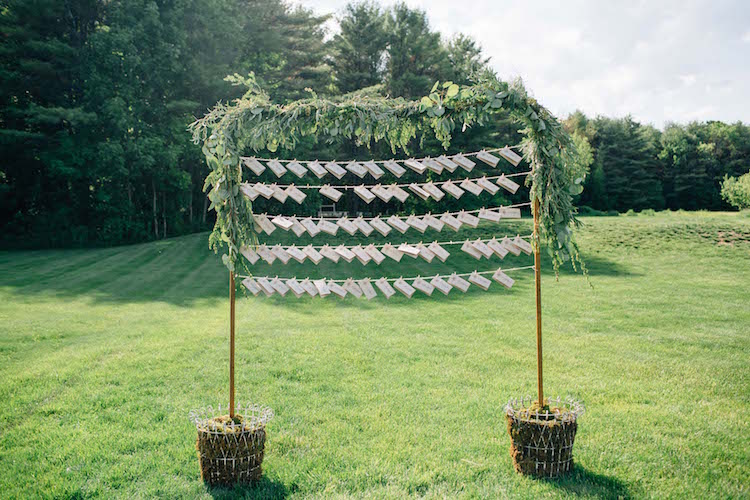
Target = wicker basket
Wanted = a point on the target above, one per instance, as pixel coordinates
(541, 444)
(231, 451)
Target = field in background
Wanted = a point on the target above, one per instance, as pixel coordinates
(104, 352)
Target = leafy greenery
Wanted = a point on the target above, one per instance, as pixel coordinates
(375, 401)
(736, 191)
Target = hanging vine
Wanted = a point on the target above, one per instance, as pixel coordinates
(254, 123)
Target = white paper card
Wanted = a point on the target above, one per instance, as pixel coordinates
(490, 215)
(433, 191)
(524, 245)
(356, 168)
(469, 248)
(380, 226)
(363, 226)
(423, 286)
(265, 191)
(317, 169)
(510, 155)
(331, 193)
(313, 254)
(440, 252)
(409, 250)
(254, 165)
(249, 254)
(488, 158)
(297, 254)
(335, 169)
(416, 189)
(276, 167)
(392, 252)
(441, 285)
(362, 256)
(279, 286)
(295, 287)
(458, 282)
(309, 287)
(433, 222)
(508, 184)
(278, 193)
(398, 193)
(345, 253)
(464, 162)
(512, 248)
(483, 248)
(450, 221)
(385, 288)
(281, 254)
(468, 219)
(375, 254)
(374, 169)
(328, 227)
(510, 213)
(297, 228)
(336, 289)
(329, 253)
(296, 168)
(264, 223)
(310, 226)
(447, 163)
(382, 193)
(403, 287)
(322, 287)
(351, 287)
(433, 165)
(294, 193)
(347, 225)
(367, 290)
(282, 222)
(397, 224)
(365, 194)
(480, 280)
(469, 186)
(251, 285)
(415, 165)
(416, 223)
(503, 278)
(394, 168)
(425, 253)
(266, 254)
(498, 248)
(488, 186)
(265, 285)
(249, 191)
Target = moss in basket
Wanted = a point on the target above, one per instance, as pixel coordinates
(229, 425)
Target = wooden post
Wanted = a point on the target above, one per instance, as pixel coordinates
(231, 344)
(538, 280)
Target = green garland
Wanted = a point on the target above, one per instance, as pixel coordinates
(255, 123)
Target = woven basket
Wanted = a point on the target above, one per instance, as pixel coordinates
(231, 452)
(541, 444)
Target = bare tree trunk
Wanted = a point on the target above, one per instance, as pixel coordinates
(156, 218)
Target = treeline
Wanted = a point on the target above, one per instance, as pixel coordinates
(95, 97)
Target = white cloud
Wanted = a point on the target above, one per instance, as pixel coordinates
(673, 60)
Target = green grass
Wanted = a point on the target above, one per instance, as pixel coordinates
(104, 352)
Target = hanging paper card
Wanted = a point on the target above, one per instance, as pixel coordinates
(458, 282)
(279, 286)
(469, 186)
(480, 281)
(367, 290)
(415, 165)
(403, 287)
(317, 169)
(433, 191)
(364, 193)
(249, 191)
(524, 245)
(398, 193)
(508, 184)
(510, 155)
(282, 222)
(351, 287)
(441, 285)
(374, 254)
(294, 193)
(345, 253)
(452, 189)
(382, 193)
(385, 288)
(503, 278)
(329, 253)
(423, 286)
(394, 168)
(356, 169)
(362, 256)
(335, 169)
(264, 223)
(440, 252)
(265, 285)
(469, 248)
(251, 285)
(409, 250)
(433, 165)
(313, 254)
(392, 252)
(276, 167)
(254, 165)
(363, 226)
(450, 221)
(265, 191)
(512, 248)
(266, 254)
(397, 224)
(249, 254)
(489, 215)
(374, 169)
(468, 219)
(425, 253)
(380, 226)
(346, 225)
(464, 162)
(332, 193)
(414, 188)
(297, 254)
(328, 227)
(488, 158)
(487, 185)
(281, 254)
(309, 287)
(310, 226)
(447, 163)
(498, 248)
(416, 223)
(296, 168)
(322, 287)
(336, 289)
(295, 287)
(482, 248)
(278, 193)
(510, 213)
(297, 228)
(433, 222)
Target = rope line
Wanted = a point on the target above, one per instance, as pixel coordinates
(441, 243)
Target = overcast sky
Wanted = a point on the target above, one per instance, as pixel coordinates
(658, 60)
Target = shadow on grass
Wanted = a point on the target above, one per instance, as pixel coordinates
(583, 482)
(266, 489)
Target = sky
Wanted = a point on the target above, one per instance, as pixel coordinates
(660, 61)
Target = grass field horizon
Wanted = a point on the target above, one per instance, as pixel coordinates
(103, 353)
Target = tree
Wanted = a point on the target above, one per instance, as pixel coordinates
(466, 59)
(736, 191)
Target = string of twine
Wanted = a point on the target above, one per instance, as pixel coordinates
(441, 243)
(437, 183)
(517, 205)
(491, 150)
(510, 269)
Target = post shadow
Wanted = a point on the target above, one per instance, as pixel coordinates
(263, 489)
(583, 482)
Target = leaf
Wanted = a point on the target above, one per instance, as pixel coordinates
(426, 102)
(434, 87)
(452, 90)
(447, 84)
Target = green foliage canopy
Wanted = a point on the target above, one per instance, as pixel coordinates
(736, 191)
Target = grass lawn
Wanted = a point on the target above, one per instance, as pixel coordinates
(104, 352)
